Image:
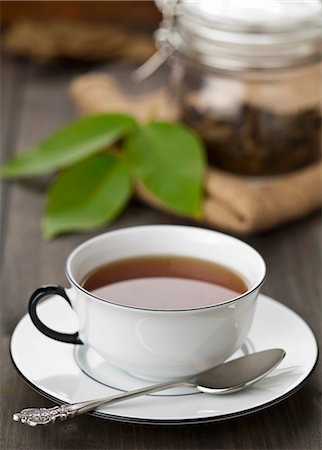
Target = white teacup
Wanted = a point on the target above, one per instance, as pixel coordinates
(158, 344)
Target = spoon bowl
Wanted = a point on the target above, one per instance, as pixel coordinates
(239, 373)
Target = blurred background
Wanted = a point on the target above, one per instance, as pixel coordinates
(245, 76)
(25, 23)
(137, 13)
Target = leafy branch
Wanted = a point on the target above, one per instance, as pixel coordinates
(94, 182)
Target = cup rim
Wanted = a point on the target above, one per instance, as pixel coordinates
(77, 285)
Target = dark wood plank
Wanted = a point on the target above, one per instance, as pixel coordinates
(36, 102)
(11, 96)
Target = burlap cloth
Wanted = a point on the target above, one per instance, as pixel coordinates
(232, 203)
(45, 40)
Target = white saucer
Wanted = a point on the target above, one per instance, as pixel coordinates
(50, 368)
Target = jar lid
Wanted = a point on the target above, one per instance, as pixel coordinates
(269, 32)
(256, 15)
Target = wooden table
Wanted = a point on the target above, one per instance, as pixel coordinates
(34, 102)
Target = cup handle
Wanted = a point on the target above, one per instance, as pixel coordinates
(45, 291)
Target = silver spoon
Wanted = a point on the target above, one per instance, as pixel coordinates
(228, 377)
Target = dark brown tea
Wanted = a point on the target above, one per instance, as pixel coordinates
(164, 282)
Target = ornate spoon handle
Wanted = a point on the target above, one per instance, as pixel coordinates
(43, 416)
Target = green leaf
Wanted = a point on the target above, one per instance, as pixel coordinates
(169, 160)
(87, 195)
(73, 143)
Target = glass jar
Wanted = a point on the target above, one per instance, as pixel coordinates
(247, 76)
